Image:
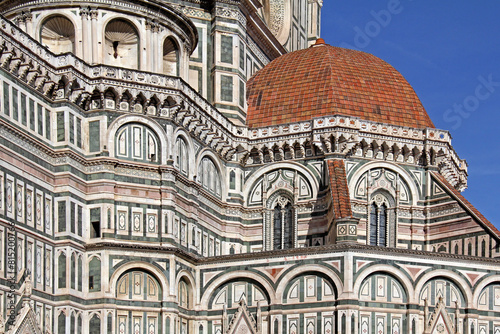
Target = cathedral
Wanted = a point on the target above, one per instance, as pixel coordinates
(215, 167)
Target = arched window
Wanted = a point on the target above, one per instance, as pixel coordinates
(61, 323)
(277, 227)
(95, 325)
(79, 324)
(121, 44)
(137, 142)
(232, 180)
(283, 223)
(95, 274)
(62, 271)
(58, 34)
(373, 224)
(380, 231)
(72, 324)
(73, 271)
(182, 156)
(170, 57)
(110, 323)
(184, 297)
(209, 176)
(80, 274)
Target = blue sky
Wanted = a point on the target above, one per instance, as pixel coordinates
(449, 51)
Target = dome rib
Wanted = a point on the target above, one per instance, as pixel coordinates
(324, 80)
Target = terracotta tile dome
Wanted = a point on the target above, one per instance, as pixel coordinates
(326, 80)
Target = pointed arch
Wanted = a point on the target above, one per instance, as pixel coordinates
(95, 323)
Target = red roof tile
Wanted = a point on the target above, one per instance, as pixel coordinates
(465, 203)
(325, 80)
(339, 189)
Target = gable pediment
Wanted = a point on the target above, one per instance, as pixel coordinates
(242, 322)
(440, 321)
(26, 322)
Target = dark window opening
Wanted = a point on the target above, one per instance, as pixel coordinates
(95, 231)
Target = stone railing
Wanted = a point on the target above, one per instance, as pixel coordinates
(66, 77)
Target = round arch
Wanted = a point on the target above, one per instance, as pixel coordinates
(122, 120)
(353, 179)
(448, 274)
(283, 165)
(141, 266)
(185, 274)
(206, 152)
(240, 274)
(129, 19)
(108, 45)
(308, 269)
(42, 21)
(170, 43)
(65, 13)
(181, 133)
(389, 270)
(481, 286)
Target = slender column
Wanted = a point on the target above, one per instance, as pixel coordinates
(156, 61)
(86, 42)
(29, 23)
(148, 53)
(21, 23)
(94, 43)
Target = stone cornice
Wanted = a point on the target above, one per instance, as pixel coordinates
(337, 249)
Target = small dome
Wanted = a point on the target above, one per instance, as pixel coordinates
(326, 80)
